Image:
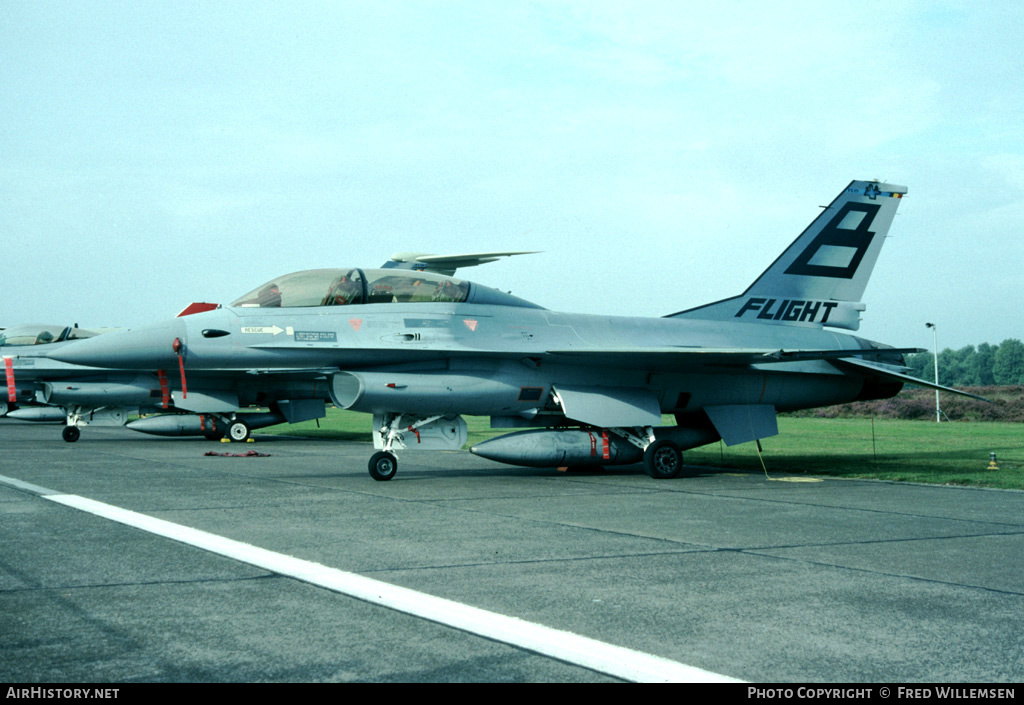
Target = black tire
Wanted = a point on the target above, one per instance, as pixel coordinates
(70, 434)
(238, 431)
(663, 460)
(383, 466)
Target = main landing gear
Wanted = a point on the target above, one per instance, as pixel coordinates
(238, 431)
(663, 460)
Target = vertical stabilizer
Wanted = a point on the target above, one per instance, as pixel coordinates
(820, 279)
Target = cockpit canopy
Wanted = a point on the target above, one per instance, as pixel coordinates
(39, 334)
(347, 287)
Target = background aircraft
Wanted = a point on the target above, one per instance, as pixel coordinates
(22, 362)
(418, 350)
(40, 388)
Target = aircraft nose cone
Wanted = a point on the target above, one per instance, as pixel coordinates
(147, 348)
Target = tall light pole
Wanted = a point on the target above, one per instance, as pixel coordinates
(935, 346)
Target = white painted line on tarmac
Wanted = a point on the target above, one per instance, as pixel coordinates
(565, 646)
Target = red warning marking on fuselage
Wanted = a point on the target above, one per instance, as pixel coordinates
(165, 392)
(470, 323)
(181, 367)
(12, 393)
(355, 323)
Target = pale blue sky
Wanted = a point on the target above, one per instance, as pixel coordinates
(660, 154)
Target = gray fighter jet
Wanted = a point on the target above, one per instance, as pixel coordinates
(42, 389)
(38, 387)
(25, 370)
(418, 350)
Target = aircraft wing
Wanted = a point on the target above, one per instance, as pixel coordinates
(652, 358)
(878, 370)
(671, 358)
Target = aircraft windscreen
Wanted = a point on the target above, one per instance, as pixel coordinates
(32, 335)
(343, 287)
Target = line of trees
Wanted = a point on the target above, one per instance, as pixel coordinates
(985, 365)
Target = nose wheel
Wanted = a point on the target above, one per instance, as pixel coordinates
(383, 465)
(70, 434)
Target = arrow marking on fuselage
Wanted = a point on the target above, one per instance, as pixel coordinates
(265, 330)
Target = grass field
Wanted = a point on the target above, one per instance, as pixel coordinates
(908, 451)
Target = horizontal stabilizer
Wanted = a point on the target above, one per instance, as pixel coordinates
(879, 371)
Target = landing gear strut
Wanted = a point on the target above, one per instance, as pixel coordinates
(392, 433)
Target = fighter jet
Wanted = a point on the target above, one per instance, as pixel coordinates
(22, 361)
(41, 388)
(419, 350)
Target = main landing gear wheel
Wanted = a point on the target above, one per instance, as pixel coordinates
(383, 466)
(663, 460)
(70, 434)
(238, 431)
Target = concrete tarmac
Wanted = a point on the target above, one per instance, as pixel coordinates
(759, 579)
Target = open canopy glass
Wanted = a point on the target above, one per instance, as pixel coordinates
(346, 287)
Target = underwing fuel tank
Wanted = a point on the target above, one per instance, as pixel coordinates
(138, 391)
(199, 424)
(542, 449)
(595, 446)
(39, 413)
